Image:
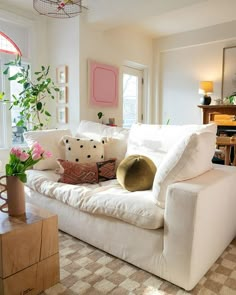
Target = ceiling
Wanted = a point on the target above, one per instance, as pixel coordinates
(154, 17)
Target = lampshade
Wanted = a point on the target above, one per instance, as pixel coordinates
(58, 8)
(205, 87)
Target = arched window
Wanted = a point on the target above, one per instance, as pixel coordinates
(10, 133)
(8, 46)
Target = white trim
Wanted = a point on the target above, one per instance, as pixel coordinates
(24, 20)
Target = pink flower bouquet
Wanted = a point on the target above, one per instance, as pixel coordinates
(21, 160)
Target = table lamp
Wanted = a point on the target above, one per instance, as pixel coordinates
(205, 87)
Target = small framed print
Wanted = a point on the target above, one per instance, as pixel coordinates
(62, 115)
(62, 74)
(62, 94)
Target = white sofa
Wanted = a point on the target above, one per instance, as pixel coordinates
(198, 213)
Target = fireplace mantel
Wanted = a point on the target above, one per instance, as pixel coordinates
(222, 115)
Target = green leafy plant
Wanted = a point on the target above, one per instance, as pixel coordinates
(100, 115)
(32, 99)
(232, 98)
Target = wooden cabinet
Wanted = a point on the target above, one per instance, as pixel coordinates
(222, 115)
(29, 259)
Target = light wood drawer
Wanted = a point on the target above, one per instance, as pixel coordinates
(21, 283)
(19, 249)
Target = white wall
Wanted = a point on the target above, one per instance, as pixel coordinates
(30, 36)
(181, 61)
(115, 47)
(63, 49)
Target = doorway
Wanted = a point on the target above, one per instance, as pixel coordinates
(132, 96)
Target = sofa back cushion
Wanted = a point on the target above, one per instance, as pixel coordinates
(115, 138)
(98, 131)
(50, 141)
(154, 141)
(190, 157)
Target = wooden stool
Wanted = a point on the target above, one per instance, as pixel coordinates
(228, 143)
(29, 252)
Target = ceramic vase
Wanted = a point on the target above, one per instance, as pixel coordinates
(15, 201)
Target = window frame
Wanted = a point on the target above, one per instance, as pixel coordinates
(18, 51)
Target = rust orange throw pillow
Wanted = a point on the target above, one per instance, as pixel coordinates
(77, 173)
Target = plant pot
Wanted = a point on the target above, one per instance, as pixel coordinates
(15, 202)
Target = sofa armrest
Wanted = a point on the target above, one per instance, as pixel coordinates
(200, 222)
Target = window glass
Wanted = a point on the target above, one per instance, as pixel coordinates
(130, 100)
(15, 89)
(132, 96)
(10, 134)
(7, 45)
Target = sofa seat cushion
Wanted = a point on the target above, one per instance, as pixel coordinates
(105, 198)
(137, 208)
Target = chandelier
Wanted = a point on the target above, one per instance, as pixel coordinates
(59, 8)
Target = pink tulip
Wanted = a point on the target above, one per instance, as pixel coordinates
(16, 151)
(47, 154)
(36, 156)
(24, 156)
(36, 148)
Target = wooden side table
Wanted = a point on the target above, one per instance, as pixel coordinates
(29, 258)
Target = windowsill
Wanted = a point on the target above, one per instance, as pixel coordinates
(4, 149)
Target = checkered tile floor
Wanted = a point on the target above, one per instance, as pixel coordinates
(87, 270)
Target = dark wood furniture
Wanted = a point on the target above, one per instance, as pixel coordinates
(225, 118)
(222, 115)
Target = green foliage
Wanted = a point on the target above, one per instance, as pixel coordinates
(232, 98)
(1, 95)
(32, 99)
(16, 168)
(100, 115)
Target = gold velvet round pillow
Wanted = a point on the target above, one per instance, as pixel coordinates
(136, 173)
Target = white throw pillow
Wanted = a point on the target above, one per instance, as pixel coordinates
(82, 150)
(49, 140)
(189, 158)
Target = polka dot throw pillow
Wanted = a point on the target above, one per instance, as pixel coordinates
(81, 150)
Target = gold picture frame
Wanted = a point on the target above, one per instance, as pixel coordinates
(62, 74)
(62, 115)
(62, 94)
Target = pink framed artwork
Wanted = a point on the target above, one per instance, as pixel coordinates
(103, 85)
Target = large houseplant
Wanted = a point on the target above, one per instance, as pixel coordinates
(32, 99)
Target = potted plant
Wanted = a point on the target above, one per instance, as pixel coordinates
(32, 99)
(232, 98)
(100, 115)
(20, 160)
